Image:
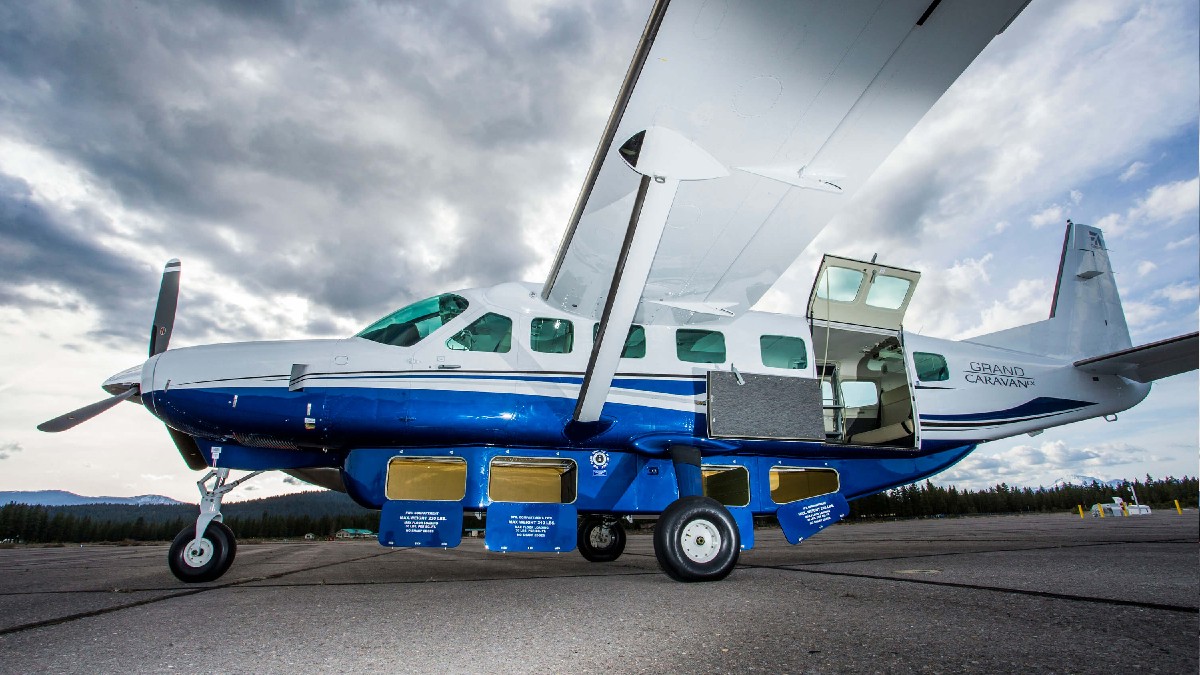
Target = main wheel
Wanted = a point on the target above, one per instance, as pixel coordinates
(197, 560)
(599, 541)
(696, 539)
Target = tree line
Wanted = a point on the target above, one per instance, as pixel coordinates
(324, 513)
(926, 499)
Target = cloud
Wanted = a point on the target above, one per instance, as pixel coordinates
(1134, 170)
(1163, 205)
(1181, 292)
(291, 480)
(357, 156)
(9, 449)
(1031, 464)
(1182, 243)
(1145, 267)
(1051, 214)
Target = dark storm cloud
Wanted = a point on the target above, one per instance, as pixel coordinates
(310, 149)
(57, 252)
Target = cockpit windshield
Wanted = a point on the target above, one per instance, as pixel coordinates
(406, 327)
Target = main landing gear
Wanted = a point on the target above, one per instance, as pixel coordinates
(205, 552)
(696, 538)
(601, 538)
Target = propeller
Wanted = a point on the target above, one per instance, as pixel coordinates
(160, 335)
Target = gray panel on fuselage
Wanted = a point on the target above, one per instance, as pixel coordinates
(765, 406)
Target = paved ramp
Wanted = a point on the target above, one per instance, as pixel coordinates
(998, 594)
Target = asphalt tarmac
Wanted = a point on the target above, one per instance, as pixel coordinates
(1045, 593)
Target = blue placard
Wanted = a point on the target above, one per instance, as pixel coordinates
(416, 523)
(801, 520)
(513, 526)
(745, 522)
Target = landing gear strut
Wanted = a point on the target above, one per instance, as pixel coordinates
(696, 538)
(601, 538)
(205, 552)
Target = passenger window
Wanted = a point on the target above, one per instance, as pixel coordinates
(488, 333)
(700, 346)
(888, 292)
(551, 336)
(931, 367)
(839, 283)
(781, 351)
(635, 341)
(859, 394)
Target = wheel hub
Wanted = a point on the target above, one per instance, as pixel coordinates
(701, 540)
(600, 537)
(198, 553)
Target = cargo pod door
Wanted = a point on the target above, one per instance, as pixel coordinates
(861, 293)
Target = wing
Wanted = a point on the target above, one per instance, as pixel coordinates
(1149, 362)
(799, 100)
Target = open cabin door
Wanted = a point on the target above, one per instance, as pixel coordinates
(861, 293)
(856, 309)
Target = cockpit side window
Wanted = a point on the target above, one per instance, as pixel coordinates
(489, 333)
(406, 327)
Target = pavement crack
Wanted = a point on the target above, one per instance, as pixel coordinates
(993, 589)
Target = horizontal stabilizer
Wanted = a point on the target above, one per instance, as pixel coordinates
(1149, 362)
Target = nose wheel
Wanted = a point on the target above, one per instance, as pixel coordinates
(601, 539)
(195, 560)
(205, 551)
(696, 539)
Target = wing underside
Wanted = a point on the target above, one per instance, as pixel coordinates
(800, 100)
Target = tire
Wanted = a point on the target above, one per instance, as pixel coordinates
(598, 542)
(217, 550)
(696, 539)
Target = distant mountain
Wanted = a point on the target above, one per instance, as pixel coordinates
(1086, 481)
(64, 498)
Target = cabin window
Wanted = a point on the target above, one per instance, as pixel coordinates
(839, 283)
(931, 367)
(700, 346)
(859, 394)
(729, 485)
(888, 292)
(543, 480)
(635, 341)
(406, 327)
(791, 484)
(427, 478)
(551, 336)
(489, 333)
(781, 351)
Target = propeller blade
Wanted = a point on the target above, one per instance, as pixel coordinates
(87, 412)
(188, 449)
(164, 312)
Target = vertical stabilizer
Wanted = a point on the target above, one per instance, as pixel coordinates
(1086, 318)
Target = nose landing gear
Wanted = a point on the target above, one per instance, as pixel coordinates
(601, 538)
(205, 552)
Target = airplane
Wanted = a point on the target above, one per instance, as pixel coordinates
(637, 380)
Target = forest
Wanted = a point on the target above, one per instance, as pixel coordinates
(323, 513)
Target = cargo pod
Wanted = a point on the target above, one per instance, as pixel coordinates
(532, 504)
(856, 309)
(424, 501)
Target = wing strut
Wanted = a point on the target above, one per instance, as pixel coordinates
(663, 158)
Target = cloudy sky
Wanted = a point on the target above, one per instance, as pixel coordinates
(316, 165)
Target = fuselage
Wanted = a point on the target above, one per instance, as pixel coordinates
(312, 403)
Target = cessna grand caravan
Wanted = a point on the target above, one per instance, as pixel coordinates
(636, 380)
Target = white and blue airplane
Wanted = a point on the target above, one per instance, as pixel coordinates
(637, 380)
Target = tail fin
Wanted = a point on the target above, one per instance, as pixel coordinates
(1086, 318)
